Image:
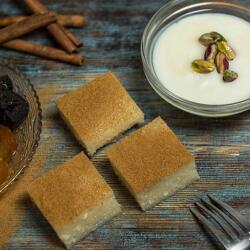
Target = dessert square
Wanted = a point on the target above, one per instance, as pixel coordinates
(99, 111)
(152, 163)
(74, 198)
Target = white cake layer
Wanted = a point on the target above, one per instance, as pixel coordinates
(89, 221)
(169, 185)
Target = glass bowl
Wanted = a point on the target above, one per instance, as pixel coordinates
(28, 133)
(168, 14)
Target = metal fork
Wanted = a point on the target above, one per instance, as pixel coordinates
(228, 226)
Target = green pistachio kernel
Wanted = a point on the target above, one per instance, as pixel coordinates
(211, 38)
(226, 50)
(202, 66)
(229, 76)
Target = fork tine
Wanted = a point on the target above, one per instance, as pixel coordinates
(242, 245)
(227, 229)
(209, 226)
(231, 222)
(232, 212)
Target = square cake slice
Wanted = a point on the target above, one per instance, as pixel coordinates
(99, 111)
(152, 163)
(74, 198)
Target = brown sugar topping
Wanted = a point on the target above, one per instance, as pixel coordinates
(69, 190)
(148, 155)
(97, 108)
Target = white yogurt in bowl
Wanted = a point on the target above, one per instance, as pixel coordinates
(170, 43)
(177, 46)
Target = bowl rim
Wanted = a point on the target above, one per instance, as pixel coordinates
(10, 181)
(165, 93)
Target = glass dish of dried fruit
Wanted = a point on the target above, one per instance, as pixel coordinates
(20, 123)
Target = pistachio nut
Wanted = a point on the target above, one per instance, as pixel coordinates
(217, 36)
(210, 53)
(211, 38)
(229, 76)
(221, 63)
(202, 66)
(226, 49)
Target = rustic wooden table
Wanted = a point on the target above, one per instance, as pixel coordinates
(221, 146)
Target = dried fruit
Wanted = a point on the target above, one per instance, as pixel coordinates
(229, 76)
(4, 172)
(211, 53)
(5, 83)
(221, 63)
(8, 143)
(211, 38)
(202, 66)
(13, 109)
(226, 49)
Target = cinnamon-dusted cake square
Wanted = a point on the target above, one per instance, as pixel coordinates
(99, 111)
(152, 163)
(74, 198)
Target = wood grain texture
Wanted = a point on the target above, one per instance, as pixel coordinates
(221, 146)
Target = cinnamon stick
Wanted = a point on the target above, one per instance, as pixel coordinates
(62, 38)
(74, 39)
(27, 25)
(76, 21)
(6, 21)
(44, 51)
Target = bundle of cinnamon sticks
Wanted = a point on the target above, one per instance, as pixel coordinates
(16, 26)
